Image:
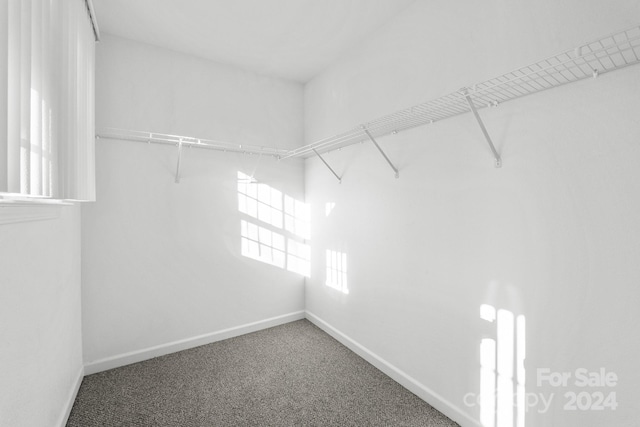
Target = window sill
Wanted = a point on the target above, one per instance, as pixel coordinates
(23, 210)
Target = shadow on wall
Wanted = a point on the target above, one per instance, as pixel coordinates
(275, 227)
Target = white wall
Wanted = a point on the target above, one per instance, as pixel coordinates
(551, 236)
(41, 350)
(162, 261)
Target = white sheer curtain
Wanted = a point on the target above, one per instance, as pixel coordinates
(47, 135)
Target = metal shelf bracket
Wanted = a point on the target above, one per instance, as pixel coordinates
(397, 174)
(328, 167)
(472, 107)
(179, 158)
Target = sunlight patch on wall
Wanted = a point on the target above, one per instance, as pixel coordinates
(299, 257)
(284, 223)
(521, 346)
(487, 382)
(337, 271)
(297, 217)
(502, 372)
(487, 312)
(328, 207)
(259, 201)
(262, 244)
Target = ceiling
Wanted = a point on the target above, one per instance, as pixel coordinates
(291, 39)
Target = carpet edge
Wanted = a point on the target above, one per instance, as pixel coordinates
(187, 343)
(401, 377)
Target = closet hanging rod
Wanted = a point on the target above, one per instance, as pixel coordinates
(187, 141)
(589, 60)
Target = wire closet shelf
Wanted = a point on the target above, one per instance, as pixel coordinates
(588, 60)
(188, 141)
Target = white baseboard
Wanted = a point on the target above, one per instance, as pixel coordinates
(187, 343)
(62, 422)
(408, 382)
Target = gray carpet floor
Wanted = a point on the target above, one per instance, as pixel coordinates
(289, 375)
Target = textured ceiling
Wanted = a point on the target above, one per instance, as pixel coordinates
(292, 39)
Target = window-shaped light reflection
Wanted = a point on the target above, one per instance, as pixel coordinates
(262, 244)
(328, 207)
(487, 312)
(296, 217)
(521, 346)
(298, 257)
(487, 382)
(502, 370)
(259, 201)
(337, 271)
(275, 211)
(505, 344)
